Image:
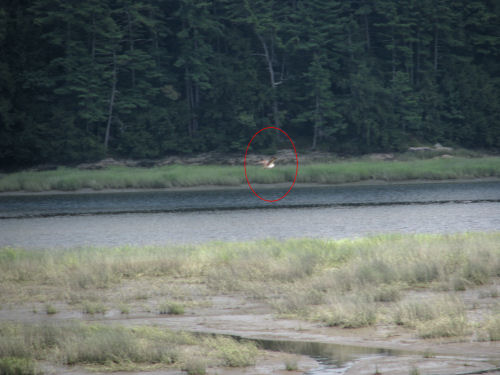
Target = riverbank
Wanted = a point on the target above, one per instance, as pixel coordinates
(282, 185)
(213, 176)
(430, 294)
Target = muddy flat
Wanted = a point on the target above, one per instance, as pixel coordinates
(246, 317)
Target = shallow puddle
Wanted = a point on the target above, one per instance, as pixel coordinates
(332, 358)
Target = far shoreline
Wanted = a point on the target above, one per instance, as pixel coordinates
(370, 182)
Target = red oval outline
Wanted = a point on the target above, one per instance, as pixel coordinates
(296, 162)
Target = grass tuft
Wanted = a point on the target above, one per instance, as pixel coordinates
(354, 313)
(92, 308)
(233, 353)
(291, 364)
(493, 327)
(436, 317)
(195, 366)
(17, 366)
(124, 309)
(172, 308)
(444, 326)
(50, 309)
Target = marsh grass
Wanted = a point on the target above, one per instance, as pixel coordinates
(195, 367)
(434, 317)
(444, 326)
(90, 307)
(173, 176)
(428, 309)
(349, 313)
(291, 364)
(117, 346)
(493, 327)
(233, 353)
(344, 283)
(68, 179)
(171, 308)
(124, 309)
(17, 366)
(50, 309)
(428, 353)
(494, 292)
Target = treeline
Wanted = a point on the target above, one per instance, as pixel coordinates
(81, 79)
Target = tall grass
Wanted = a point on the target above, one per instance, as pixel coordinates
(68, 179)
(17, 366)
(346, 283)
(433, 169)
(493, 327)
(116, 346)
(340, 265)
(349, 313)
(435, 317)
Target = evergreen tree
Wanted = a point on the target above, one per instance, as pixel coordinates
(83, 79)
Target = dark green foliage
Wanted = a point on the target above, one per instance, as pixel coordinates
(147, 78)
(17, 366)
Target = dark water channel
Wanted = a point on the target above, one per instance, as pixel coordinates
(333, 358)
(161, 217)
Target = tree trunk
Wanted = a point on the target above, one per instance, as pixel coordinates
(435, 48)
(272, 79)
(189, 98)
(367, 32)
(349, 43)
(154, 41)
(68, 38)
(196, 105)
(131, 42)
(111, 102)
(92, 46)
(393, 57)
(316, 123)
(417, 68)
(410, 68)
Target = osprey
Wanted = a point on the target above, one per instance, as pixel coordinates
(268, 163)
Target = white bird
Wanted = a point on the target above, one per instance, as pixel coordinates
(268, 163)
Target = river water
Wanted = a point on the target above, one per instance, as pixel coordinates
(194, 216)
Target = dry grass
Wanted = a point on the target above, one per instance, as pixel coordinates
(434, 317)
(493, 327)
(349, 313)
(344, 283)
(117, 347)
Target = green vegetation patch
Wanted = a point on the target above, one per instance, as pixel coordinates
(171, 308)
(116, 347)
(17, 366)
(493, 327)
(349, 314)
(347, 283)
(434, 317)
(116, 177)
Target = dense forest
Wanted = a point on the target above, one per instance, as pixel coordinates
(82, 79)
